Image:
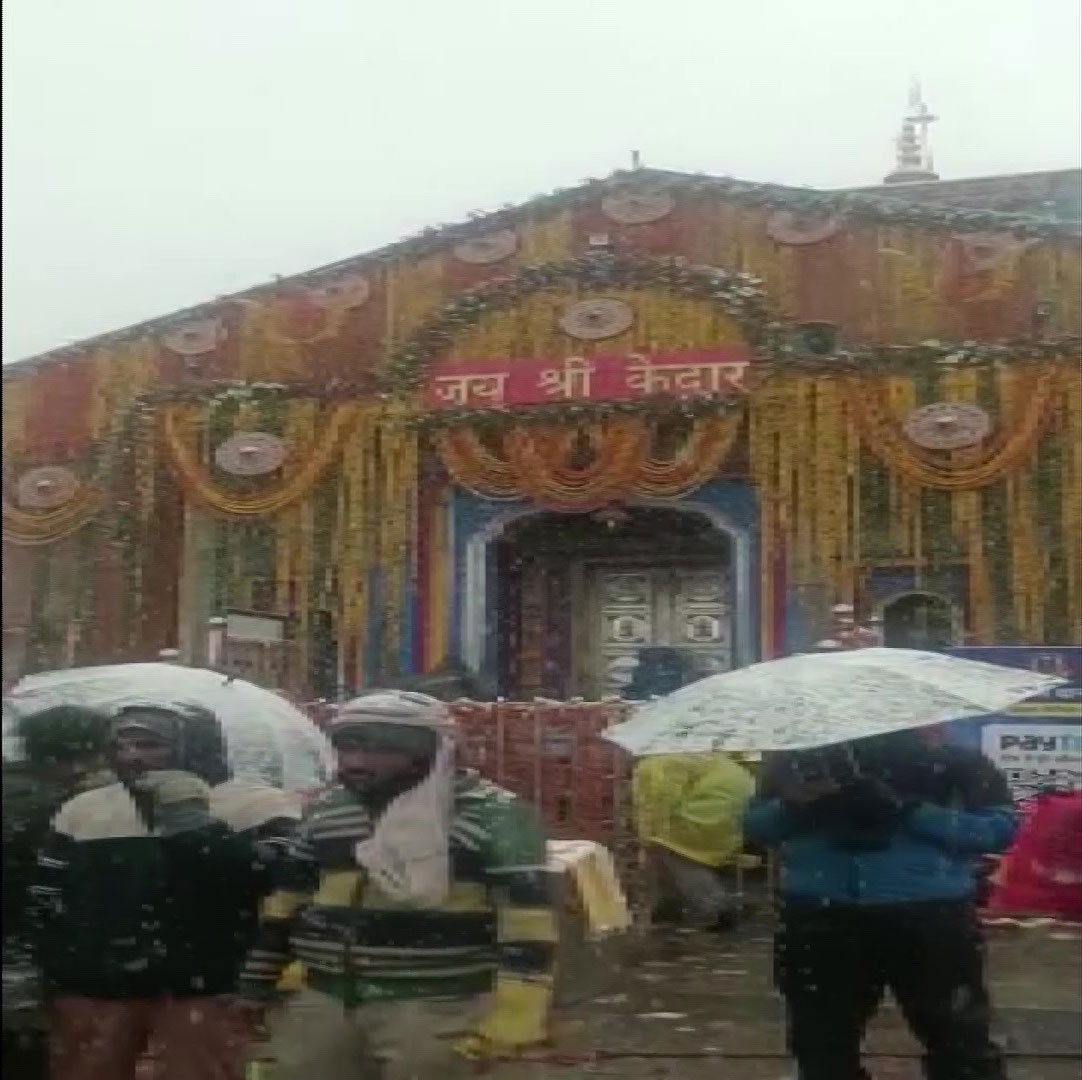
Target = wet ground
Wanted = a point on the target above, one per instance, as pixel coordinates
(698, 1006)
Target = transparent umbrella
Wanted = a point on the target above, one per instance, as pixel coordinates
(266, 736)
(806, 701)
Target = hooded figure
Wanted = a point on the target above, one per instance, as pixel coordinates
(146, 898)
(429, 899)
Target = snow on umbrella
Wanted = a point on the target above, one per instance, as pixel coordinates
(806, 701)
(266, 737)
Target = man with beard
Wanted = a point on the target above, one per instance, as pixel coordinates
(880, 844)
(147, 894)
(431, 911)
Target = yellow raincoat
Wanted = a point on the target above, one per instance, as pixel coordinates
(692, 804)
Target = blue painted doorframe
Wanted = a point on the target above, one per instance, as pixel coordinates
(476, 523)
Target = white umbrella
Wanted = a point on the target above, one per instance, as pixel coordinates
(806, 701)
(266, 737)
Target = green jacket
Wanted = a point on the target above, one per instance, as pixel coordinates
(495, 930)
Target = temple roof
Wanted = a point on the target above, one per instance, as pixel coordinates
(1055, 194)
(1034, 204)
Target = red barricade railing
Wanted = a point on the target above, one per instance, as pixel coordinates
(552, 755)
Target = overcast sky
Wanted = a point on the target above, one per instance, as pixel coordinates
(158, 153)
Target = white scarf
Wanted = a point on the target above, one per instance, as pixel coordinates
(408, 855)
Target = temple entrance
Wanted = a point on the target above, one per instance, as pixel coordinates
(583, 594)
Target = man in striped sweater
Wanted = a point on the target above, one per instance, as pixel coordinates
(422, 897)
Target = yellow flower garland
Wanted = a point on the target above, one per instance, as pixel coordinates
(398, 508)
(1071, 508)
(28, 528)
(356, 536)
(299, 481)
(804, 458)
(884, 437)
(967, 519)
(1027, 569)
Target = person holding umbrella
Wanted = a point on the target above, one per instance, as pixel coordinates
(145, 900)
(881, 836)
(880, 844)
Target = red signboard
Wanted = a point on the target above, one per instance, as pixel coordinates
(490, 384)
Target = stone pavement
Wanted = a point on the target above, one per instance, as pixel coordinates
(685, 999)
(688, 1006)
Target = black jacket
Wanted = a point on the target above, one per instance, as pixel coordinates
(123, 913)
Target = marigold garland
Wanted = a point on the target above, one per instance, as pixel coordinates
(803, 451)
(1027, 568)
(1007, 451)
(397, 518)
(967, 521)
(473, 466)
(356, 540)
(700, 458)
(1071, 508)
(538, 458)
(299, 481)
(27, 528)
(535, 463)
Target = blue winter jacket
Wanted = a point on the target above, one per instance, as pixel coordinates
(932, 855)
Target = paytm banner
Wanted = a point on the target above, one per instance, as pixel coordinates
(1034, 757)
(1038, 743)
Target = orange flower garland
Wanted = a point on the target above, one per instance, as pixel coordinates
(27, 528)
(700, 458)
(299, 481)
(474, 466)
(964, 472)
(539, 459)
(535, 463)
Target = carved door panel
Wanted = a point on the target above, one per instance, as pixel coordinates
(686, 608)
(624, 607)
(700, 619)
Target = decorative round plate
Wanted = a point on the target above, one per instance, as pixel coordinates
(300, 318)
(638, 207)
(46, 487)
(194, 338)
(986, 251)
(594, 320)
(251, 453)
(491, 248)
(347, 291)
(789, 227)
(948, 425)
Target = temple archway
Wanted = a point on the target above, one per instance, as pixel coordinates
(575, 597)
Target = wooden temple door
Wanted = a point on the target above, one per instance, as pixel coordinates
(580, 598)
(684, 607)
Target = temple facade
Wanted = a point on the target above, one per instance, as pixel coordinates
(658, 411)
